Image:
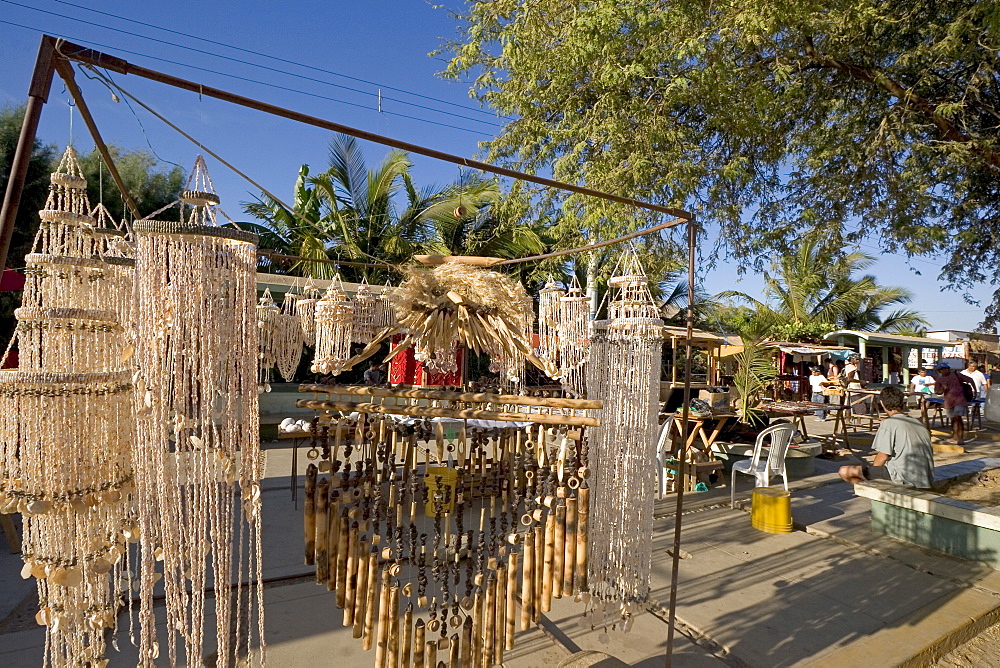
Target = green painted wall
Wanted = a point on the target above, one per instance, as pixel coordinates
(938, 533)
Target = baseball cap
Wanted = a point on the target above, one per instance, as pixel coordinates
(942, 365)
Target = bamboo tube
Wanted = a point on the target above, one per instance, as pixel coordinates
(582, 537)
(450, 395)
(431, 656)
(467, 639)
(393, 655)
(309, 514)
(418, 644)
(322, 521)
(528, 581)
(511, 613)
(560, 550)
(500, 615)
(344, 532)
(332, 537)
(371, 600)
(453, 652)
(489, 621)
(406, 641)
(460, 413)
(477, 627)
(536, 605)
(361, 593)
(351, 579)
(382, 640)
(548, 550)
(569, 559)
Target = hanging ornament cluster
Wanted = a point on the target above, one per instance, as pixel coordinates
(453, 304)
(433, 529)
(66, 428)
(197, 429)
(305, 308)
(624, 373)
(280, 337)
(334, 330)
(564, 335)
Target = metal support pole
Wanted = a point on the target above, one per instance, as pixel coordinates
(685, 414)
(38, 95)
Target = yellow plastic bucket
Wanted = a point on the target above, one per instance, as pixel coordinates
(771, 510)
(448, 481)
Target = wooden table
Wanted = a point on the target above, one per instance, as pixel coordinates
(697, 429)
(927, 401)
(798, 410)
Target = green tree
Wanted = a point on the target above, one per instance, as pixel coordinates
(36, 190)
(771, 118)
(806, 296)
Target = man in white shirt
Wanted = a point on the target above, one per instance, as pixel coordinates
(816, 380)
(978, 377)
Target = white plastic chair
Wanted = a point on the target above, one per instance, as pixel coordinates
(774, 465)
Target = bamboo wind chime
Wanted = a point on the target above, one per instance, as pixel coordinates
(197, 431)
(66, 427)
(624, 372)
(432, 530)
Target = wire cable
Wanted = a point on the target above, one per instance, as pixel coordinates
(240, 78)
(285, 60)
(251, 64)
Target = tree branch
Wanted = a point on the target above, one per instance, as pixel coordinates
(907, 97)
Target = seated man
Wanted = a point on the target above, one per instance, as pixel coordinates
(903, 447)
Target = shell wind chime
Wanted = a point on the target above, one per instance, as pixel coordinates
(280, 337)
(574, 339)
(305, 307)
(334, 330)
(197, 431)
(624, 373)
(66, 427)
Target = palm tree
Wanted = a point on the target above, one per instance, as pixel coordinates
(301, 232)
(810, 292)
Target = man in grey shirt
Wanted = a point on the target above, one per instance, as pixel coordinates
(902, 445)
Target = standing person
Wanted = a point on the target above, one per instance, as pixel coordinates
(903, 446)
(832, 370)
(852, 376)
(949, 385)
(373, 375)
(978, 377)
(922, 382)
(816, 381)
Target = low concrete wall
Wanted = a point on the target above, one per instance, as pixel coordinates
(959, 528)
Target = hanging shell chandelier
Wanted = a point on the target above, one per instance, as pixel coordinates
(305, 307)
(628, 343)
(197, 430)
(574, 339)
(66, 429)
(334, 330)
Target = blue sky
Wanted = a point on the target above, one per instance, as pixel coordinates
(381, 50)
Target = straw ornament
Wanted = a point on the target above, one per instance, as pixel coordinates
(458, 304)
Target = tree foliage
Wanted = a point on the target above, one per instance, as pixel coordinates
(772, 118)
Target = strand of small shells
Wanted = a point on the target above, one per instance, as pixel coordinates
(624, 372)
(66, 430)
(574, 340)
(334, 330)
(198, 436)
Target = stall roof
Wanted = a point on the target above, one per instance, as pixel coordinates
(698, 335)
(805, 348)
(891, 339)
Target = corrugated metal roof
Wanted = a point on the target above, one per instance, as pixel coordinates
(897, 339)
